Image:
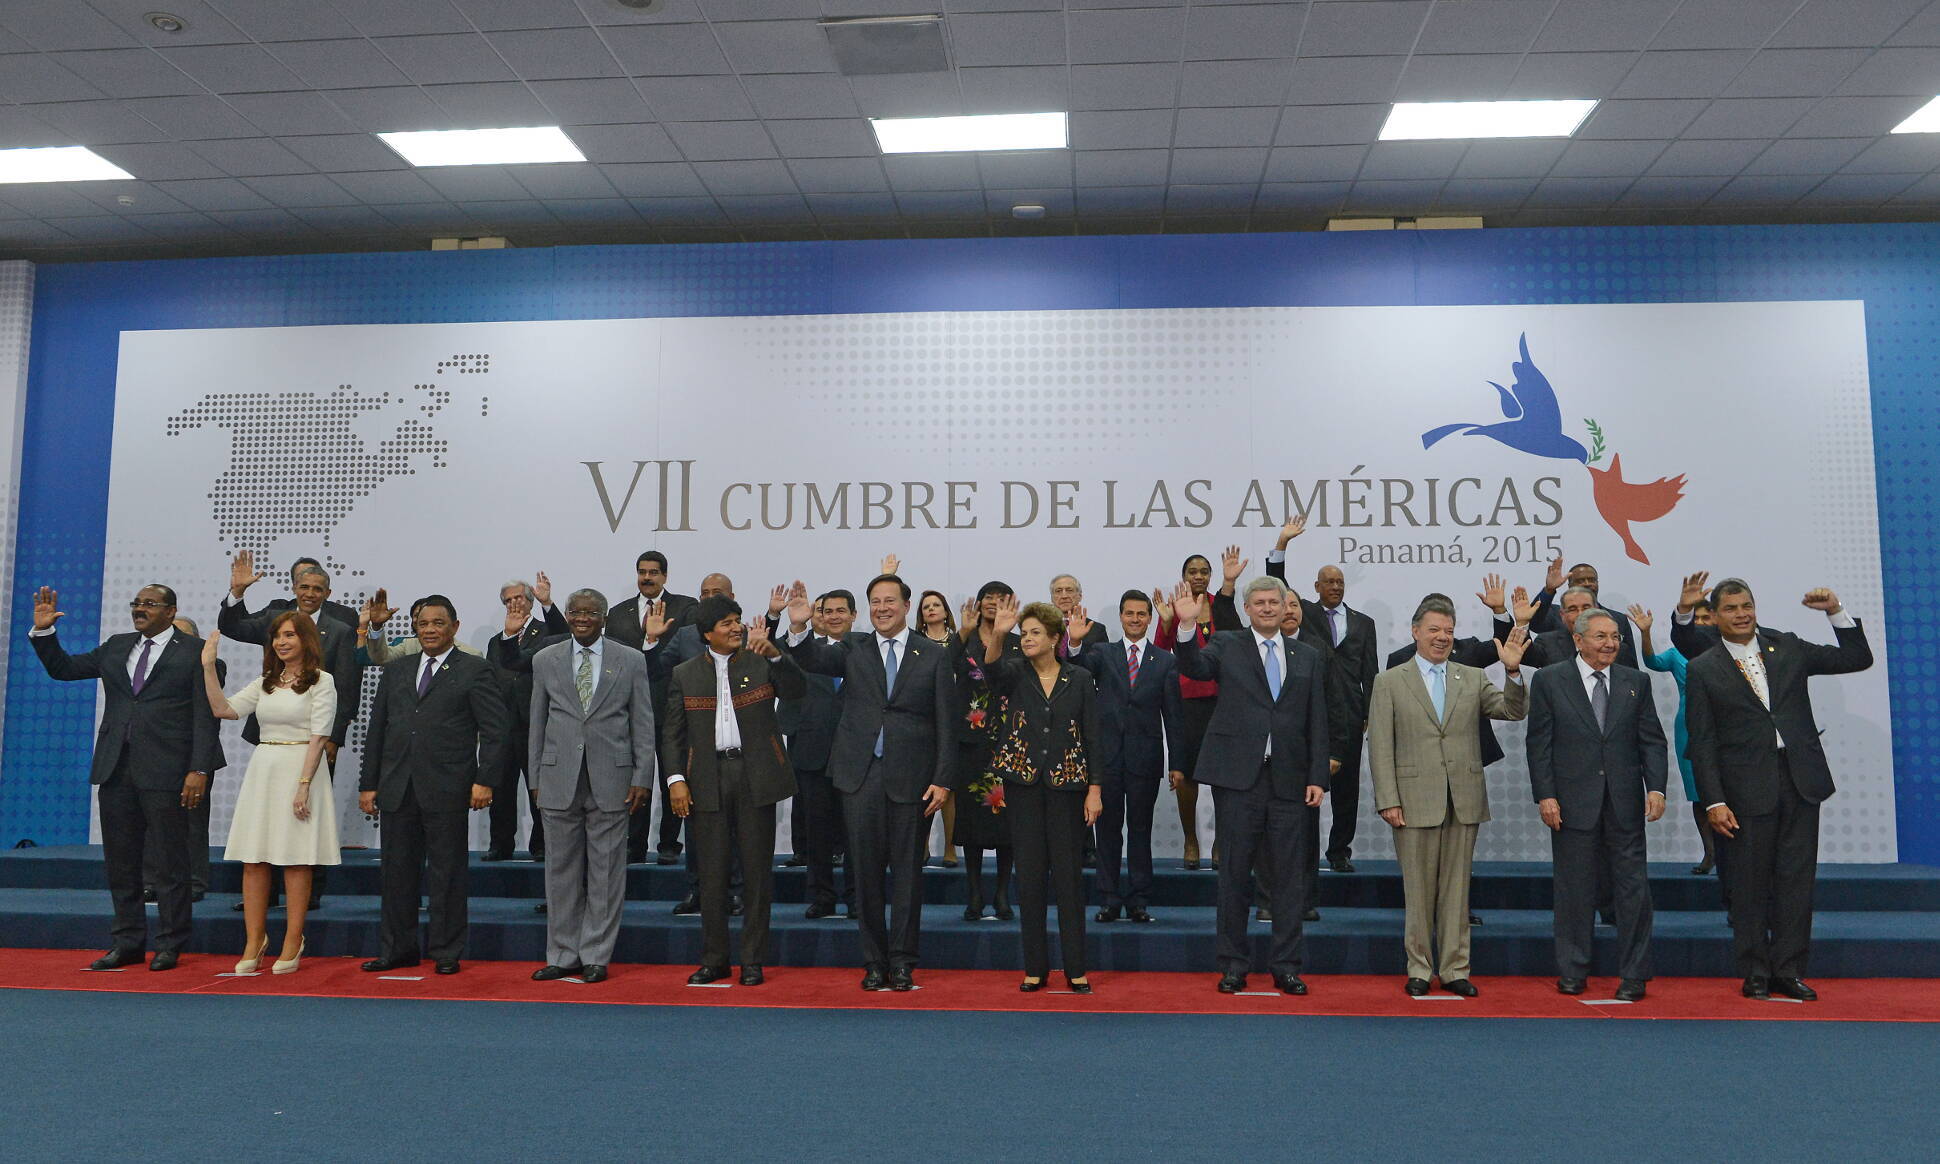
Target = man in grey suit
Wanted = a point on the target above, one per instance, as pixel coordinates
(590, 755)
(1426, 757)
(1597, 762)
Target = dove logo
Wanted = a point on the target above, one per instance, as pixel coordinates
(1533, 423)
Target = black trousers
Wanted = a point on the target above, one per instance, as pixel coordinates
(198, 850)
(819, 813)
(739, 828)
(136, 822)
(1248, 821)
(1125, 825)
(1047, 831)
(886, 846)
(1344, 791)
(1770, 868)
(1586, 861)
(424, 851)
(505, 804)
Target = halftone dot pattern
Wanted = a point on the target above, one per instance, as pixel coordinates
(16, 325)
(1894, 269)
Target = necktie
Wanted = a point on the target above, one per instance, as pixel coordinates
(583, 679)
(646, 612)
(1600, 698)
(424, 676)
(1333, 624)
(141, 666)
(888, 687)
(1131, 664)
(1272, 667)
(1438, 691)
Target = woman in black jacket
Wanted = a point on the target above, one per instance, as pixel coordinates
(1044, 759)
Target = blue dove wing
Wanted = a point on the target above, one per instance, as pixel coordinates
(1511, 407)
(1533, 391)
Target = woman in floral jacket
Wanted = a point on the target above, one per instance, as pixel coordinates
(1043, 757)
(981, 822)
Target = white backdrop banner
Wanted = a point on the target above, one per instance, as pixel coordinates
(1426, 446)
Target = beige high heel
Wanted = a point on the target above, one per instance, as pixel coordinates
(248, 965)
(289, 967)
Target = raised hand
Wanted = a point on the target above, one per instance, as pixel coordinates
(1553, 581)
(542, 589)
(777, 600)
(1523, 610)
(243, 573)
(1510, 649)
(209, 648)
(890, 564)
(1231, 565)
(1077, 626)
(759, 642)
(1695, 586)
(1641, 618)
(1186, 605)
(1491, 592)
(1821, 598)
(1005, 620)
(799, 607)
(968, 617)
(1161, 605)
(1295, 526)
(516, 616)
(657, 622)
(378, 610)
(45, 600)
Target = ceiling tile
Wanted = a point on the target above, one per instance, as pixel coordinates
(300, 190)
(127, 73)
(98, 122)
(214, 194)
(838, 175)
(1707, 157)
(290, 113)
(1807, 155)
(68, 25)
(339, 153)
(1320, 197)
(186, 224)
(343, 219)
(249, 157)
(1606, 159)
(1859, 188)
(1122, 129)
(487, 105)
(1122, 36)
(1120, 200)
(1844, 22)
(565, 180)
(1721, 24)
(286, 21)
(1240, 31)
(1016, 38)
(496, 14)
(1413, 159)
(908, 94)
(1234, 83)
(1676, 191)
(1225, 127)
(776, 46)
(338, 64)
(715, 141)
(1927, 189)
(1482, 195)
(18, 129)
(1316, 163)
(1217, 166)
(1763, 190)
(758, 208)
(933, 172)
(624, 143)
(51, 200)
(1795, 72)
(233, 68)
(685, 211)
(387, 186)
(1027, 89)
(1854, 116)
(1122, 167)
(1901, 153)
(1483, 26)
(1456, 78)
(390, 18)
(1510, 159)
(473, 183)
(696, 98)
(1056, 201)
(655, 179)
(1330, 124)
(1640, 119)
(1344, 80)
(944, 203)
(556, 54)
(1893, 72)
(1922, 29)
(792, 95)
(395, 108)
(446, 59)
(591, 102)
(102, 230)
(1353, 28)
(1682, 74)
(667, 50)
(1391, 198)
(1598, 25)
(1124, 86)
(437, 218)
(1043, 168)
(1572, 192)
(1192, 198)
(1566, 75)
(1749, 117)
(29, 77)
(746, 178)
(823, 138)
(189, 118)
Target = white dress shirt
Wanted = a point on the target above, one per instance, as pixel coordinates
(727, 727)
(431, 663)
(1588, 674)
(161, 642)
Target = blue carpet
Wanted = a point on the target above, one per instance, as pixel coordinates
(312, 1079)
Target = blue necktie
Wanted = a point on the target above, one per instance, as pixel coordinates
(1272, 668)
(1438, 691)
(888, 688)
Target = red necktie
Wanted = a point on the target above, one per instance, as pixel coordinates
(1131, 664)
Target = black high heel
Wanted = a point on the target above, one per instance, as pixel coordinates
(1029, 986)
(973, 911)
(1078, 985)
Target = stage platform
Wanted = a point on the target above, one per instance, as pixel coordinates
(1872, 920)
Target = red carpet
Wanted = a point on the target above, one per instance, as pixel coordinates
(1846, 1000)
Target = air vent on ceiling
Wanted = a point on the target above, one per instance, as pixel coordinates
(871, 45)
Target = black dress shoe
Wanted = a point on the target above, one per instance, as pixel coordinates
(539, 908)
(148, 895)
(666, 856)
(736, 909)
(901, 978)
(1030, 987)
(117, 958)
(164, 960)
(593, 973)
(537, 855)
(448, 966)
(688, 905)
(1756, 986)
(1107, 914)
(1630, 990)
(873, 978)
(1475, 919)
(1078, 987)
(794, 862)
(818, 910)
(316, 903)
(1263, 914)
(751, 976)
(1789, 987)
(1140, 914)
(550, 973)
(1232, 983)
(1461, 986)
(236, 908)
(1701, 868)
(1003, 912)
(1192, 864)
(1310, 915)
(1289, 984)
(707, 974)
(1416, 987)
(1572, 985)
(497, 855)
(197, 895)
(1341, 866)
(379, 965)
(973, 911)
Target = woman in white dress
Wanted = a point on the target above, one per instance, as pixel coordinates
(284, 815)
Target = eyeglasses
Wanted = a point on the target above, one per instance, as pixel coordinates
(147, 604)
(584, 614)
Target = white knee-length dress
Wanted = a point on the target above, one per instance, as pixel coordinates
(265, 827)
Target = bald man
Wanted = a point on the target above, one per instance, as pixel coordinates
(1349, 636)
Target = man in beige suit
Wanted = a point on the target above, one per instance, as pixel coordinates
(1428, 783)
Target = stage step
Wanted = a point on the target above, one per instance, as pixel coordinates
(1872, 943)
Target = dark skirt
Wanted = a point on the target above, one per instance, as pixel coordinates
(977, 827)
(1194, 715)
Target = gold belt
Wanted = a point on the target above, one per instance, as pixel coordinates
(285, 743)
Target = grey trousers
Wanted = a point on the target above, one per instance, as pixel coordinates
(1435, 865)
(585, 879)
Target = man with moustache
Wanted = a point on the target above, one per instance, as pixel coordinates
(809, 722)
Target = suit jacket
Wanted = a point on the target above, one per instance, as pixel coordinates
(917, 720)
(1733, 749)
(1357, 653)
(1137, 723)
(1549, 618)
(1247, 715)
(438, 746)
(337, 610)
(613, 739)
(671, 651)
(1481, 655)
(168, 730)
(339, 641)
(689, 748)
(809, 721)
(1420, 763)
(1346, 715)
(1096, 636)
(513, 658)
(1582, 765)
(1049, 740)
(623, 621)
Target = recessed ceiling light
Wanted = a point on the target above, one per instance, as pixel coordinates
(1925, 119)
(1433, 120)
(949, 135)
(166, 22)
(58, 164)
(484, 147)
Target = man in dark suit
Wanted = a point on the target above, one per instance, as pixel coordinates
(152, 757)
(1069, 597)
(810, 722)
(1349, 637)
(1597, 764)
(891, 761)
(1265, 758)
(1548, 617)
(199, 815)
(435, 749)
(243, 574)
(727, 767)
(531, 622)
(1761, 771)
(1138, 720)
(628, 622)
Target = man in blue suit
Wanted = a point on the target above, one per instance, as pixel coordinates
(1138, 714)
